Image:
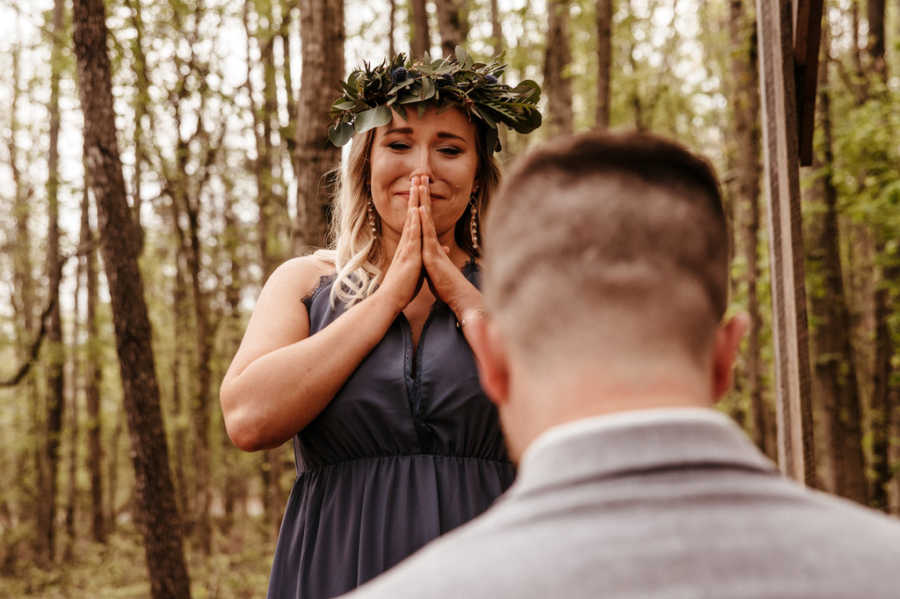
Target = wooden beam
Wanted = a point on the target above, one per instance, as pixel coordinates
(807, 38)
(780, 137)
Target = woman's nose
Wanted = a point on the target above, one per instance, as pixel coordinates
(422, 167)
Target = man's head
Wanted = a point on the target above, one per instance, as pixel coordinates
(606, 281)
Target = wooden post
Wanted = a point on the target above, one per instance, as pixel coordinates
(780, 136)
(807, 37)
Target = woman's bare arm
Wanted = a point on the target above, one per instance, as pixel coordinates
(281, 377)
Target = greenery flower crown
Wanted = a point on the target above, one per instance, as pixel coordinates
(371, 93)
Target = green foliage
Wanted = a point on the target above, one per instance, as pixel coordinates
(237, 569)
(371, 93)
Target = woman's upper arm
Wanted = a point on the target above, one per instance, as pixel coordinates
(279, 317)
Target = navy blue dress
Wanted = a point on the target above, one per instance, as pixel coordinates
(408, 449)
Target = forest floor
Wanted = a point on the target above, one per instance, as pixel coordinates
(237, 568)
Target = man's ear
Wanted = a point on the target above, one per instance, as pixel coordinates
(727, 344)
(491, 356)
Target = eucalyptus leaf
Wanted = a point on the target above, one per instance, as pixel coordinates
(531, 122)
(427, 90)
(461, 55)
(371, 95)
(374, 117)
(340, 133)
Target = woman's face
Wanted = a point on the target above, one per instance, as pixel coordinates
(441, 144)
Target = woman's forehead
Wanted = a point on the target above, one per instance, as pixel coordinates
(434, 120)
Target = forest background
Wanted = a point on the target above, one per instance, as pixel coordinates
(220, 108)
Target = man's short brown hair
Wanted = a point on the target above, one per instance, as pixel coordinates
(615, 240)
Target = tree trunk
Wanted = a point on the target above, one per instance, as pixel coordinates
(745, 102)
(232, 240)
(392, 22)
(604, 61)
(453, 23)
(75, 385)
(179, 323)
(886, 389)
(834, 364)
(272, 208)
(54, 359)
(23, 303)
(499, 48)
(158, 518)
(288, 132)
(141, 102)
(93, 375)
(557, 60)
(876, 46)
(203, 336)
(322, 34)
(72, 411)
(420, 44)
(112, 510)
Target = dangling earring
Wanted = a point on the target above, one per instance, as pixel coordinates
(473, 222)
(373, 227)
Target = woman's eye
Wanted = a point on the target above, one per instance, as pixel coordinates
(450, 151)
(397, 145)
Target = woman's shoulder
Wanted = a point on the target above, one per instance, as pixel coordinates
(302, 275)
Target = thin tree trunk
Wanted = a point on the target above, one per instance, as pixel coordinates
(855, 50)
(289, 132)
(272, 208)
(93, 376)
(234, 483)
(180, 322)
(141, 102)
(886, 390)
(23, 303)
(158, 518)
(745, 101)
(499, 47)
(834, 364)
(112, 510)
(557, 60)
(201, 403)
(55, 360)
(453, 23)
(420, 44)
(604, 61)
(322, 33)
(392, 21)
(875, 47)
(75, 384)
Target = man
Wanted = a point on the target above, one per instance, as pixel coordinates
(605, 350)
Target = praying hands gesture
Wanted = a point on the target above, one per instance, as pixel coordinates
(420, 255)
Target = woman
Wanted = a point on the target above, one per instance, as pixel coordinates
(371, 373)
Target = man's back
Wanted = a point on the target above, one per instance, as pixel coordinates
(656, 504)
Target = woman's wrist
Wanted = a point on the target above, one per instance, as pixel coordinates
(469, 299)
(469, 315)
(385, 301)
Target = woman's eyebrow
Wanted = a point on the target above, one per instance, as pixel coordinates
(447, 135)
(402, 130)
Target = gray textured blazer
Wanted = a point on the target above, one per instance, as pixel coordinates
(683, 507)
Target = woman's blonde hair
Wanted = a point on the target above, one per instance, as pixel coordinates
(355, 251)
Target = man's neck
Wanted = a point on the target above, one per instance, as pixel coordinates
(589, 397)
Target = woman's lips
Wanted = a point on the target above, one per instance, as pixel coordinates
(405, 194)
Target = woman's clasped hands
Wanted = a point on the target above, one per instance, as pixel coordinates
(420, 256)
